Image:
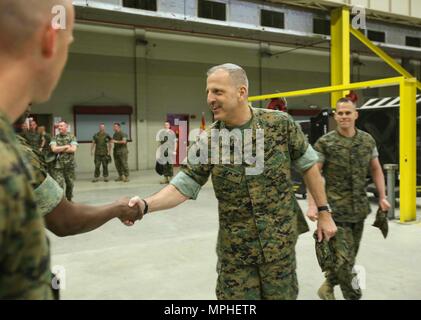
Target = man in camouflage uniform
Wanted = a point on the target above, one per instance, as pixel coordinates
(32, 135)
(64, 145)
(345, 156)
(167, 136)
(258, 212)
(121, 153)
(101, 143)
(25, 77)
(45, 141)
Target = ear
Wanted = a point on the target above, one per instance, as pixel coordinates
(356, 115)
(242, 92)
(49, 42)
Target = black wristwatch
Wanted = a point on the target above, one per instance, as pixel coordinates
(324, 208)
(145, 211)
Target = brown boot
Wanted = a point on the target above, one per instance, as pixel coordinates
(95, 180)
(105, 179)
(325, 292)
(125, 179)
(119, 179)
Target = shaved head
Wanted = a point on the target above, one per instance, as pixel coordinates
(35, 36)
(20, 20)
(346, 102)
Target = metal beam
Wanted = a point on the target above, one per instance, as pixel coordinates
(408, 149)
(340, 71)
(382, 55)
(339, 88)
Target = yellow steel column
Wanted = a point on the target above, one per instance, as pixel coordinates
(407, 158)
(340, 73)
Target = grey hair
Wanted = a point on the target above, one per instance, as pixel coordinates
(237, 74)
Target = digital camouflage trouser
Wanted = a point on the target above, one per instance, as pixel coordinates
(121, 163)
(344, 276)
(269, 281)
(101, 160)
(65, 175)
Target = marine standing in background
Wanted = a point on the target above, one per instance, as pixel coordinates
(346, 155)
(121, 153)
(101, 149)
(168, 170)
(32, 135)
(64, 145)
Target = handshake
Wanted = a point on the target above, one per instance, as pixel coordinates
(130, 210)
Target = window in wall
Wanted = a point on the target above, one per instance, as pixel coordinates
(140, 4)
(87, 119)
(413, 42)
(212, 10)
(378, 36)
(272, 19)
(321, 26)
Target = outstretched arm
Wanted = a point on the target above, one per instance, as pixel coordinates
(167, 198)
(69, 218)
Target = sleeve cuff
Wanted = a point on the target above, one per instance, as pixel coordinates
(375, 153)
(186, 185)
(307, 160)
(48, 195)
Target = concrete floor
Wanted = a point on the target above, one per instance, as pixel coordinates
(171, 254)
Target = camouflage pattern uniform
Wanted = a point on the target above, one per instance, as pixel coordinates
(121, 154)
(24, 249)
(64, 166)
(34, 139)
(46, 148)
(101, 140)
(259, 217)
(346, 163)
(47, 154)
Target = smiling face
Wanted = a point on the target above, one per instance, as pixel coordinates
(346, 115)
(62, 127)
(224, 97)
(33, 125)
(116, 128)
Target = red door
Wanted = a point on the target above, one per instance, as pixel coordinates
(180, 125)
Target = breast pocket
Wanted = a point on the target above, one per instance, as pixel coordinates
(277, 172)
(227, 182)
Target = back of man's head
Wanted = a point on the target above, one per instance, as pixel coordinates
(20, 20)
